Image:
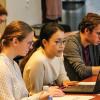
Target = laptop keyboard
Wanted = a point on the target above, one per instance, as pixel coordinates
(79, 88)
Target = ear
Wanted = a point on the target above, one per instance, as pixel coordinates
(15, 41)
(44, 42)
(86, 30)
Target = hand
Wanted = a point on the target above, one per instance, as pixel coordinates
(55, 91)
(44, 96)
(69, 83)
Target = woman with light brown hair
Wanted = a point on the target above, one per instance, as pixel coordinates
(16, 40)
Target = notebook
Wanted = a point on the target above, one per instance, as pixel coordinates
(84, 89)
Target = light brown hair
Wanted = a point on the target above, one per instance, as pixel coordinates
(18, 29)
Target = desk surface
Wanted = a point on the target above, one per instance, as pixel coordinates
(92, 79)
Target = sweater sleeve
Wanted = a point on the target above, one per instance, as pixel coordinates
(63, 74)
(33, 76)
(33, 97)
(73, 52)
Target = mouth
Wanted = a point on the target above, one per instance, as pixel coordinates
(98, 42)
(26, 52)
(60, 50)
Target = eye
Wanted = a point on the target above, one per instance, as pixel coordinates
(98, 33)
(30, 43)
(57, 42)
(60, 42)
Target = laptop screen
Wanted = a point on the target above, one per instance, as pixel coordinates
(97, 85)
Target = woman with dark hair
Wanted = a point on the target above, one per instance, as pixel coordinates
(45, 64)
(16, 40)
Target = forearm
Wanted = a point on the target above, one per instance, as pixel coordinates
(82, 70)
(95, 70)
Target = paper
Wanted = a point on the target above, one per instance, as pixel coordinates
(86, 83)
(73, 97)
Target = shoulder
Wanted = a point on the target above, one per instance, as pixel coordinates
(4, 71)
(73, 40)
(72, 36)
(38, 56)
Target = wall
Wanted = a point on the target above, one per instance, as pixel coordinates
(72, 17)
(25, 10)
(30, 10)
(93, 6)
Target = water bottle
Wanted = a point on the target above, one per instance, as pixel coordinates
(45, 88)
(50, 98)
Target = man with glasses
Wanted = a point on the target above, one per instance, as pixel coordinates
(82, 50)
(3, 14)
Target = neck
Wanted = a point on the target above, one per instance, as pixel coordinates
(48, 54)
(9, 53)
(84, 40)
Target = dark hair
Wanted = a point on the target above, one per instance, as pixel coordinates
(18, 29)
(3, 11)
(46, 32)
(90, 21)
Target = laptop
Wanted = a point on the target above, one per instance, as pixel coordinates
(84, 89)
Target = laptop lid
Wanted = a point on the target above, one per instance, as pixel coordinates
(97, 85)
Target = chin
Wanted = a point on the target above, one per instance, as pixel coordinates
(58, 55)
(96, 43)
(23, 54)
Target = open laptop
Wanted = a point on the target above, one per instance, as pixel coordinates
(84, 89)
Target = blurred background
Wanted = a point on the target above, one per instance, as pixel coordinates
(30, 11)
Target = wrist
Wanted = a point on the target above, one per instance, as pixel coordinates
(45, 88)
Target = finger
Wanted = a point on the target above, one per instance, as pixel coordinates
(44, 96)
(55, 87)
(58, 94)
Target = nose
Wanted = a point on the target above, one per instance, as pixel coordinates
(31, 46)
(62, 46)
(99, 37)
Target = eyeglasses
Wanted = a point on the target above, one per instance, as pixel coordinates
(98, 33)
(60, 42)
(30, 43)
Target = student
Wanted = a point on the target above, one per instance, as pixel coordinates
(82, 50)
(16, 40)
(45, 65)
(3, 14)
